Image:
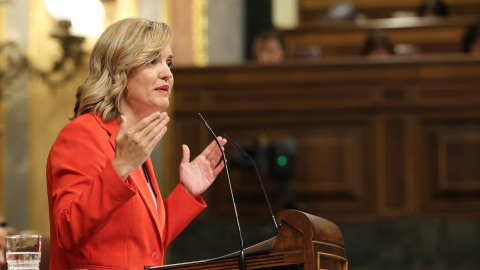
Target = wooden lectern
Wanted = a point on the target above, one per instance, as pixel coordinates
(304, 242)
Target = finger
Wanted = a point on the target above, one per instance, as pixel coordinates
(215, 155)
(157, 138)
(218, 169)
(212, 146)
(123, 126)
(151, 134)
(223, 141)
(153, 129)
(145, 122)
(186, 154)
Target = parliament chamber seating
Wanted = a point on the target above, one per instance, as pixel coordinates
(336, 39)
(339, 39)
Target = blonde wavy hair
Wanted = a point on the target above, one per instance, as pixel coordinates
(121, 48)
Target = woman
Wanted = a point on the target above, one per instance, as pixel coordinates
(106, 211)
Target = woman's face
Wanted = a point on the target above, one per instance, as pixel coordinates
(271, 52)
(149, 86)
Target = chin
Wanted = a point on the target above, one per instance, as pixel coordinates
(163, 106)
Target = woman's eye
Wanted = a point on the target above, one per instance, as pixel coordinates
(169, 63)
(153, 62)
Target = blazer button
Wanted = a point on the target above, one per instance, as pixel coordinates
(155, 255)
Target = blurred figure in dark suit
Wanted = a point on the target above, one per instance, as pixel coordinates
(432, 8)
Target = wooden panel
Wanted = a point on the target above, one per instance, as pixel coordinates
(462, 93)
(336, 149)
(459, 158)
(452, 173)
(387, 138)
(395, 189)
(337, 156)
(395, 164)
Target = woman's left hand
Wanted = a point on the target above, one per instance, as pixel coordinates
(198, 175)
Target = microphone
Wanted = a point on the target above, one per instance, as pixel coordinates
(242, 263)
(259, 178)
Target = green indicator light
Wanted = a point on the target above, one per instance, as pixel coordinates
(282, 161)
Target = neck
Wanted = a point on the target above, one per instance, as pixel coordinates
(133, 117)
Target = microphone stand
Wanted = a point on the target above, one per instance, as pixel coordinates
(242, 264)
(277, 226)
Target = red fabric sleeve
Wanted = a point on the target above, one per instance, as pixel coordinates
(180, 208)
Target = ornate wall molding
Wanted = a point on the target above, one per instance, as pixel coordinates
(200, 32)
(13, 62)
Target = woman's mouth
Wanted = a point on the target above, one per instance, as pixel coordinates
(163, 88)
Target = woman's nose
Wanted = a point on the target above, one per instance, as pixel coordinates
(165, 72)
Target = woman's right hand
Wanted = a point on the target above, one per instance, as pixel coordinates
(134, 145)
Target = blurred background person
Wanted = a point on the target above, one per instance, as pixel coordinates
(269, 47)
(3, 233)
(377, 45)
(471, 40)
(432, 8)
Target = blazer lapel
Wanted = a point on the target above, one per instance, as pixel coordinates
(111, 127)
(138, 177)
(160, 208)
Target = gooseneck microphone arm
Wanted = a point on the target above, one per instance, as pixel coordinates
(242, 263)
(259, 178)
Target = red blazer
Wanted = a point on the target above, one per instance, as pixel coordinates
(98, 221)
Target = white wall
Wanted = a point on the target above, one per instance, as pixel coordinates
(225, 31)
